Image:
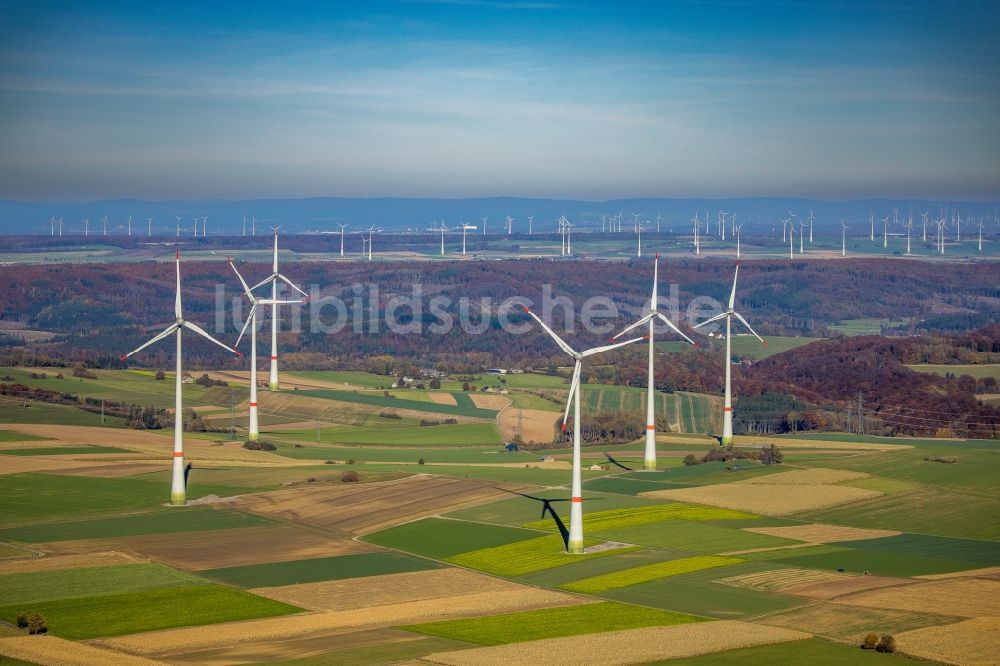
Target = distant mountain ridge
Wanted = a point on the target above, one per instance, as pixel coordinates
(322, 214)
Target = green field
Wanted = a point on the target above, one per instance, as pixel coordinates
(275, 574)
(375, 454)
(878, 562)
(523, 557)
(695, 537)
(192, 519)
(748, 346)
(648, 572)
(527, 507)
(551, 623)
(380, 400)
(978, 371)
(864, 326)
(616, 519)
(14, 436)
(976, 553)
(441, 538)
(36, 587)
(446, 435)
(32, 497)
(149, 610)
(41, 412)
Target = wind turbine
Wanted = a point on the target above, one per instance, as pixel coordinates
(737, 230)
(442, 229)
(510, 225)
(980, 234)
(658, 218)
(244, 225)
(812, 218)
(802, 226)
(253, 225)
(924, 216)
(484, 225)
(885, 231)
(530, 221)
(60, 226)
(575, 543)
(843, 239)
(253, 430)
(727, 410)
(958, 228)
(696, 221)
(909, 228)
(371, 237)
(130, 224)
(204, 226)
(784, 224)
(791, 241)
(104, 222)
(149, 226)
(465, 229)
(86, 226)
(871, 220)
(569, 238)
(52, 225)
(649, 460)
(273, 279)
(342, 227)
(635, 221)
(639, 232)
(178, 496)
(178, 225)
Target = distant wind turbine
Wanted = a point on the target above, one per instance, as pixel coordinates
(342, 227)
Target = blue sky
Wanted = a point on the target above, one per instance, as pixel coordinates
(466, 98)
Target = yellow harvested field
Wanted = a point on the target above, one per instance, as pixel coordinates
(536, 425)
(114, 469)
(838, 587)
(851, 623)
(61, 562)
(489, 400)
(776, 580)
(446, 399)
(963, 597)
(22, 464)
(985, 572)
(212, 549)
(768, 500)
(618, 648)
(398, 588)
(53, 651)
(357, 509)
(807, 477)
(973, 642)
(818, 533)
(426, 610)
(157, 446)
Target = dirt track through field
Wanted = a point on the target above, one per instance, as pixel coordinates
(212, 549)
(231, 633)
(363, 508)
(619, 648)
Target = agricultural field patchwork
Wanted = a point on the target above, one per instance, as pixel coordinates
(442, 538)
(523, 557)
(551, 623)
(644, 574)
(325, 568)
(600, 521)
(770, 499)
(35, 587)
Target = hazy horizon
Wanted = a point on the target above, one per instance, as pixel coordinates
(466, 99)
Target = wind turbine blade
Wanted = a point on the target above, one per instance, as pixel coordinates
(656, 280)
(559, 341)
(203, 333)
(598, 350)
(644, 320)
(732, 294)
(266, 281)
(574, 387)
(246, 324)
(177, 298)
(717, 317)
(272, 301)
(671, 324)
(749, 328)
(246, 289)
(156, 338)
(291, 284)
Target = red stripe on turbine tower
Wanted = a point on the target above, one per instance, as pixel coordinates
(178, 454)
(577, 499)
(253, 404)
(727, 409)
(274, 358)
(651, 427)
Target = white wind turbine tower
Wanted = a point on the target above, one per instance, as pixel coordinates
(958, 228)
(484, 225)
(575, 544)
(104, 223)
(871, 220)
(510, 225)
(784, 226)
(253, 429)
(727, 410)
(204, 226)
(802, 226)
(178, 225)
(52, 225)
(885, 231)
(737, 230)
(149, 226)
(658, 218)
(562, 235)
(530, 222)
(442, 229)
(130, 224)
(980, 234)
(569, 239)
(843, 239)
(244, 225)
(791, 241)
(178, 495)
(253, 225)
(924, 216)
(603, 220)
(60, 226)
(697, 227)
(649, 459)
(371, 237)
(909, 229)
(722, 224)
(465, 229)
(812, 218)
(639, 232)
(86, 226)
(635, 221)
(273, 279)
(342, 227)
